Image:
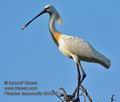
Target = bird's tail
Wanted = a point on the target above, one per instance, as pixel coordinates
(103, 60)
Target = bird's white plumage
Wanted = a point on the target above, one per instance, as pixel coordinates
(71, 46)
(48, 6)
(75, 46)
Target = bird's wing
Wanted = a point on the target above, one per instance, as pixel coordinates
(81, 48)
(76, 46)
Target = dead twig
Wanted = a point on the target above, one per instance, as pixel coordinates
(57, 95)
(85, 94)
(64, 97)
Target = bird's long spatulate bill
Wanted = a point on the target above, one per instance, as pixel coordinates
(32, 20)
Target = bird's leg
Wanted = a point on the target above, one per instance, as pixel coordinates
(82, 72)
(79, 77)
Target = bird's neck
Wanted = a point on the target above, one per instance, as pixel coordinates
(54, 33)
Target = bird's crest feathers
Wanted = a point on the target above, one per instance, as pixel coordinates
(59, 19)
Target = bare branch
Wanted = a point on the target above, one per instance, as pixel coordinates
(86, 94)
(57, 95)
(64, 97)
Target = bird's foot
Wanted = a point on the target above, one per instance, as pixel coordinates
(64, 97)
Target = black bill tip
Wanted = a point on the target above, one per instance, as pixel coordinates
(26, 25)
(23, 27)
(43, 11)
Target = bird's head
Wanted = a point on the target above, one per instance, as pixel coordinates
(47, 9)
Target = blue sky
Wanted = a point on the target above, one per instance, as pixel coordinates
(32, 55)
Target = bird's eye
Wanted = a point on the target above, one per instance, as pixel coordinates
(47, 8)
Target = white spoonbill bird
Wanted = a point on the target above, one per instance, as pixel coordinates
(73, 47)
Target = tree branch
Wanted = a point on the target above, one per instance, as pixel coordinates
(64, 97)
